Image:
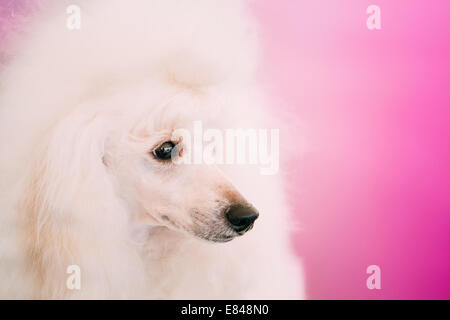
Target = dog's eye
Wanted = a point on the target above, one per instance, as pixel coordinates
(164, 151)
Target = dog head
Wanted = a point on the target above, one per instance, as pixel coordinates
(160, 190)
(181, 53)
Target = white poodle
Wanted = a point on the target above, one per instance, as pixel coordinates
(87, 123)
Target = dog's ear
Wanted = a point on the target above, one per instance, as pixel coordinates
(67, 202)
(43, 230)
(67, 166)
(67, 156)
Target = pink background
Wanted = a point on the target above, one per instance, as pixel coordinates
(372, 186)
(370, 178)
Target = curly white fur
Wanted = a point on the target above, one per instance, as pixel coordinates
(79, 109)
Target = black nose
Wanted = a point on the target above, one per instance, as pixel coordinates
(241, 217)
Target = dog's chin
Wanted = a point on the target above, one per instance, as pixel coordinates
(215, 237)
(220, 239)
(205, 236)
(221, 233)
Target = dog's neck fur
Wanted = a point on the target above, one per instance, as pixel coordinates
(117, 258)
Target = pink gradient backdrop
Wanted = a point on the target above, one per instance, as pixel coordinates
(371, 184)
